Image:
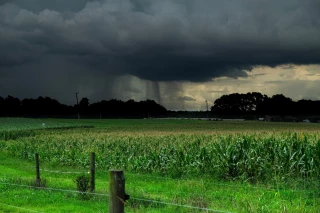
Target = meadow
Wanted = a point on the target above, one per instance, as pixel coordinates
(223, 166)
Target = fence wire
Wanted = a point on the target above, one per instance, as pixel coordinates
(142, 199)
(178, 180)
(18, 207)
(31, 169)
(217, 184)
(180, 205)
(55, 189)
(61, 172)
(132, 198)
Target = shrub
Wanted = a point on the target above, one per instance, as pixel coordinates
(83, 186)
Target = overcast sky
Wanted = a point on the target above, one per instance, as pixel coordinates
(177, 52)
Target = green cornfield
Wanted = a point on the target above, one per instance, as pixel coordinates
(261, 156)
(224, 166)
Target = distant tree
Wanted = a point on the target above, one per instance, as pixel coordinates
(84, 102)
(84, 106)
(278, 104)
(239, 103)
(12, 106)
(248, 104)
(1, 106)
(152, 109)
(261, 104)
(255, 100)
(307, 106)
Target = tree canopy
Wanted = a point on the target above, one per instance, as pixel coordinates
(48, 107)
(257, 103)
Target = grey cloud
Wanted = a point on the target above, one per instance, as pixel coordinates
(164, 40)
(169, 40)
(186, 98)
(133, 89)
(288, 67)
(219, 91)
(259, 74)
(57, 78)
(277, 82)
(6, 1)
(312, 74)
(313, 69)
(40, 5)
(293, 89)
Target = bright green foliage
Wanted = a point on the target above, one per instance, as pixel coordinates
(14, 124)
(206, 192)
(213, 164)
(12, 135)
(254, 157)
(14, 128)
(83, 185)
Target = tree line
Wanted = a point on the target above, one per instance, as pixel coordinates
(232, 104)
(257, 103)
(48, 107)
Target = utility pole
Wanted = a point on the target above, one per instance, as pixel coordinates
(207, 110)
(78, 105)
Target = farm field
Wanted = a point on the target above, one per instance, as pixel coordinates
(170, 165)
(9, 124)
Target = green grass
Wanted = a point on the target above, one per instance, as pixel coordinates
(228, 166)
(201, 192)
(14, 124)
(185, 126)
(14, 128)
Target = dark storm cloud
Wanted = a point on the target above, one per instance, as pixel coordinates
(182, 40)
(39, 5)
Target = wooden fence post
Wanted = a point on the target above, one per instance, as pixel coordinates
(38, 180)
(92, 172)
(117, 191)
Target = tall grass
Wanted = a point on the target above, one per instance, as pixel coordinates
(23, 124)
(251, 157)
(13, 135)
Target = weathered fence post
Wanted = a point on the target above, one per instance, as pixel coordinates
(117, 191)
(92, 172)
(38, 180)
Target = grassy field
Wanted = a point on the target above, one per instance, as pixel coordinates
(225, 166)
(16, 124)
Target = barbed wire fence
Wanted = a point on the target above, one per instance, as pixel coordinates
(21, 208)
(211, 183)
(104, 194)
(107, 195)
(61, 172)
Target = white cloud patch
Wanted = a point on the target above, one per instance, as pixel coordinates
(296, 83)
